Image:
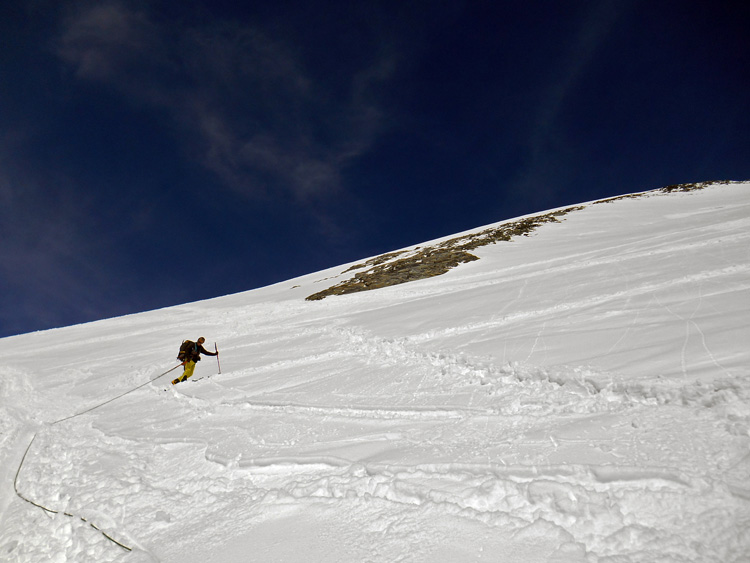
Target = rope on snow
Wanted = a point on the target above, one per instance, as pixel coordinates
(23, 459)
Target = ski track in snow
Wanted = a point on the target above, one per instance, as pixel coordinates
(390, 412)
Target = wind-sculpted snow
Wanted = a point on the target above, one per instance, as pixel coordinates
(580, 395)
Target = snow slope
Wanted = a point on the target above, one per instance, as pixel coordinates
(579, 394)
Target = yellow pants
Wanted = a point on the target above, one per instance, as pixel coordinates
(189, 368)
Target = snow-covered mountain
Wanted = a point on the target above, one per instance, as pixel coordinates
(578, 392)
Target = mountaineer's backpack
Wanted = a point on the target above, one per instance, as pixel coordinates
(185, 348)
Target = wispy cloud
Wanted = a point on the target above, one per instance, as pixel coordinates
(549, 154)
(44, 271)
(61, 257)
(249, 109)
(102, 40)
(593, 30)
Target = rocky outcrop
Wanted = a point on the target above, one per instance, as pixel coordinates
(425, 262)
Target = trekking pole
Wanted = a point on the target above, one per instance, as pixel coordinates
(217, 356)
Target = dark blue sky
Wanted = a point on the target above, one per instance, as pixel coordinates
(155, 153)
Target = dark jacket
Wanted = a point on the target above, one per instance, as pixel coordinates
(194, 350)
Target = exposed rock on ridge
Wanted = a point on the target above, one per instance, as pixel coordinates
(424, 262)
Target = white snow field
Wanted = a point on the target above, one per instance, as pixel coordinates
(580, 394)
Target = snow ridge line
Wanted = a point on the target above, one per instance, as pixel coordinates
(28, 448)
(365, 411)
(459, 370)
(570, 499)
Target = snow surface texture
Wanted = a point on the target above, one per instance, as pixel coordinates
(578, 395)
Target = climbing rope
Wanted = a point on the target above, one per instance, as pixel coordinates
(28, 448)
